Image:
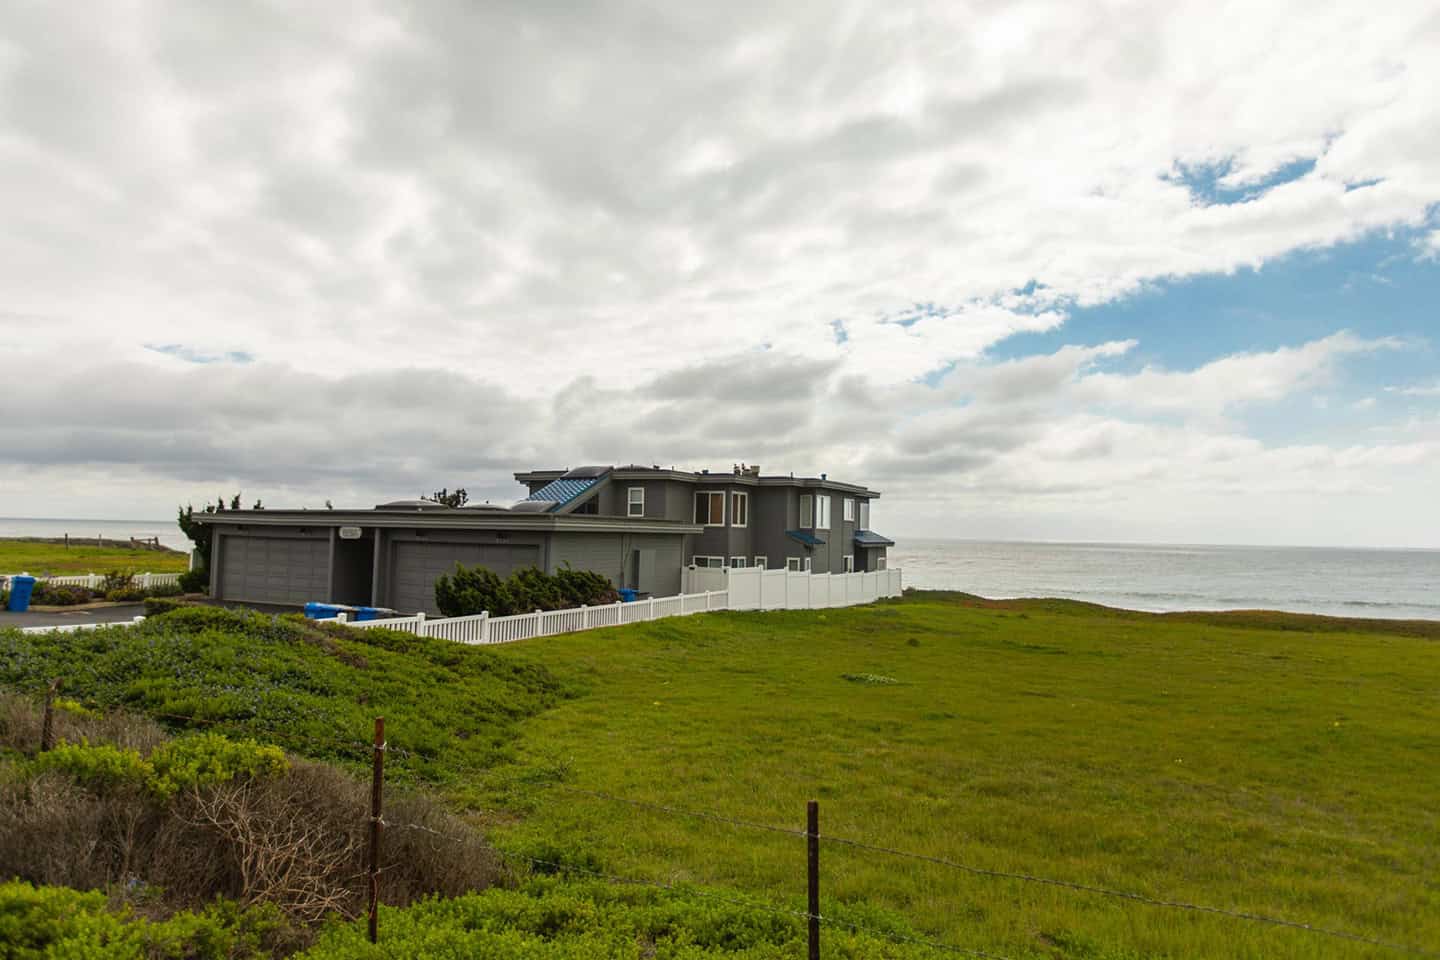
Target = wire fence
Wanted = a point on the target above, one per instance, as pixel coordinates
(377, 750)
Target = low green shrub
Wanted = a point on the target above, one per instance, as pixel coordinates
(154, 606)
(194, 761)
(52, 595)
(125, 595)
(56, 923)
(117, 580)
(164, 590)
(472, 590)
(195, 581)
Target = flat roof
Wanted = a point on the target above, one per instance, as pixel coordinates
(450, 518)
(637, 472)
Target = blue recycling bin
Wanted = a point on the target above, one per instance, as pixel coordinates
(327, 611)
(373, 613)
(20, 589)
(628, 595)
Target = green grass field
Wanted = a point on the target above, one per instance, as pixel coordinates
(1266, 763)
(1269, 764)
(17, 556)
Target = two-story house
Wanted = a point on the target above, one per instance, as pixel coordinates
(746, 518)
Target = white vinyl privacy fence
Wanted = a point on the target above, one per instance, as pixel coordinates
(728, 589)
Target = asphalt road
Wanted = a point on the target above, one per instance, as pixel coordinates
(32, 618)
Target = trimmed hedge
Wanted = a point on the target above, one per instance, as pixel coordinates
(474, 590)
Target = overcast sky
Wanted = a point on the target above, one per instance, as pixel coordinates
(1070, 270)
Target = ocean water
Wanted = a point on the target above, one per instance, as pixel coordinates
(166, 530)
(1403, 584)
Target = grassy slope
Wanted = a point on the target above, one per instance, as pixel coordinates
(51, 558)
(1208, 758)
(1270, 763)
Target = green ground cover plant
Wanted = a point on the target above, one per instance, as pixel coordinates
(312, 689)
(38, 558)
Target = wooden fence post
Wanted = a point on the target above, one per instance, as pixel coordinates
(812, 842)
(377, 787)
(47, 722)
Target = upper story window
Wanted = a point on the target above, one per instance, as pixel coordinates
(849, 510)
(822, 511)
(635, 503)
(864, 514)
(710, 508)
(807, 510)
(739, 509)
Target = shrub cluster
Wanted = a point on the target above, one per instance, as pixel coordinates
(117, 587)
(474, 590)
(203, 816)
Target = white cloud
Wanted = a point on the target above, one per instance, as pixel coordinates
(470, 237)
(1417, 390)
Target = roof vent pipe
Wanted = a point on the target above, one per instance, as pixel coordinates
(824, 476)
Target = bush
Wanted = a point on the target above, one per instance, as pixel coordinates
(125, 595)
(154, 606)
(54, 923)
(195, 581)
(185, 764)
(50, 595)
(117, 580)
(475, 589)
(164, 590)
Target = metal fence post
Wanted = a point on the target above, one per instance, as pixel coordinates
(812, 842)
(377, 788)
(47, 722)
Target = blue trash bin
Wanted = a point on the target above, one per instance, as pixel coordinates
(327, 611)
(628, 595)
(20, 589)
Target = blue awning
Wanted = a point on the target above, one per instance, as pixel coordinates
(805, 537)
(869, 538)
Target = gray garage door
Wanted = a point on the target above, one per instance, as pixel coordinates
(274, 569)
(414, 567)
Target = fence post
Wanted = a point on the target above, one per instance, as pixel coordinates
(650, 611)
(377, 788)
(584, 616)
(484, 626)
(47, 723)
(707, 599)
(342, 617)
(420, 623)
(812, 842)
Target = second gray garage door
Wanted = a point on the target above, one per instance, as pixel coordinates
(274, 569)
(414, 567)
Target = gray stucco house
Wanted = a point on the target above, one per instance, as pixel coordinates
(639, 526)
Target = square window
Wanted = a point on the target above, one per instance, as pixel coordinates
(737, 563)
(760, 562)
(792, 563)
(710, 508)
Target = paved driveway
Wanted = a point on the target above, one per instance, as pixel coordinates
(32, 618)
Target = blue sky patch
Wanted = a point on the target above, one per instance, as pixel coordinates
(193, 355)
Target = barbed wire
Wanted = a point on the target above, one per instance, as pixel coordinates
(711, 895)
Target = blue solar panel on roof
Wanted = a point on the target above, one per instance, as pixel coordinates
(562, 491)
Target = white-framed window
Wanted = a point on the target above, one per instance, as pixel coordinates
(760, 562)
(807, 564)
(792, 563)
(849, 562)
(737, 562)
(710, 508)
(739, 509)
(864, 514)
(807, 511)
(880, 562)
(713, 563)
(822, 511)
(849, 510)
(635, 502)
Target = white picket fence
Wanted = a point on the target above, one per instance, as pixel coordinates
(76, 627)
(733, 589)
(94, 581)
